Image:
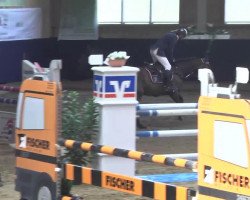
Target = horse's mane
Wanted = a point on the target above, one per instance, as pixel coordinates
(177, 60)
(187, 66)
(146, 64)
(185, 59)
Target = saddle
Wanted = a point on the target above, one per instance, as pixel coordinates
(155, 71)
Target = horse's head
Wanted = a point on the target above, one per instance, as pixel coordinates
(147, 64)
(188, 66)
(205, 63)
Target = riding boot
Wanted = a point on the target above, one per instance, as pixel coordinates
(167, 81)
(167, 76)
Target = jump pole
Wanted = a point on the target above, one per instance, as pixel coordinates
(167, 133)
(114, 89)
(164, 113)
(167, 106)
(132, 154)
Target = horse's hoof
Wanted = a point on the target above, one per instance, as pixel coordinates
(140, 126)
(180, 118)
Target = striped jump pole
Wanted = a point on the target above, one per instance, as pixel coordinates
(164, 113)
(167, 106)
(167, 133)
(9, 88)
(189, 156)
(8, 101)
(136, 155)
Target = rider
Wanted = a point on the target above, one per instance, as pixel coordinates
(162, 51)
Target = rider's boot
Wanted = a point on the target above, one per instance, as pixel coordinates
(167, 81)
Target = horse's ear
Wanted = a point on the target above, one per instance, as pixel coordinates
(205, 60)
(147, 64)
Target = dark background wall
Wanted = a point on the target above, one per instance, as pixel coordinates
(225, 54)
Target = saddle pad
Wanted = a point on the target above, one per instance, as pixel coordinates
(154, 75)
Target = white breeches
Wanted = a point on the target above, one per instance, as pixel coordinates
(163, 60)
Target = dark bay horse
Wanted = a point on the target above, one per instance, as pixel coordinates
(150, 78)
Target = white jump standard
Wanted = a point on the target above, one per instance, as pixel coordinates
(115, 93)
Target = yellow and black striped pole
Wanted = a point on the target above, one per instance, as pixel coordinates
(137, 155)
(127, 184)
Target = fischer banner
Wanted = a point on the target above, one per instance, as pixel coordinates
(20, 24)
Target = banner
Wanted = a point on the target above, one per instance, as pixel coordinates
(20, 24)
(12, 3)
(78, 20)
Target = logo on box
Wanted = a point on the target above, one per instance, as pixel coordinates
(114, 86)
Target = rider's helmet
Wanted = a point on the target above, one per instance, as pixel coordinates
(182, 32)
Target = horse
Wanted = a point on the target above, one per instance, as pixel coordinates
(150, 78)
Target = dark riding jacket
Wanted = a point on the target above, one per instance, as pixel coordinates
(166, 46)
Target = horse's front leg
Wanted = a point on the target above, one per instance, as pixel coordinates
(139, 125)
(140, 92)
(177, 98)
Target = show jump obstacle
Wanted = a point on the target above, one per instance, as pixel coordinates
(223, 139)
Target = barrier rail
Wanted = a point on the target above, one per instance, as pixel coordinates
(136, 155)
(126, 184)
(9, 88)
(164, 106)
(167, 133)
(164, 113)
(189, 156)
(8, 100)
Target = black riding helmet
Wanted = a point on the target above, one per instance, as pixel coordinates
(182, 32)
